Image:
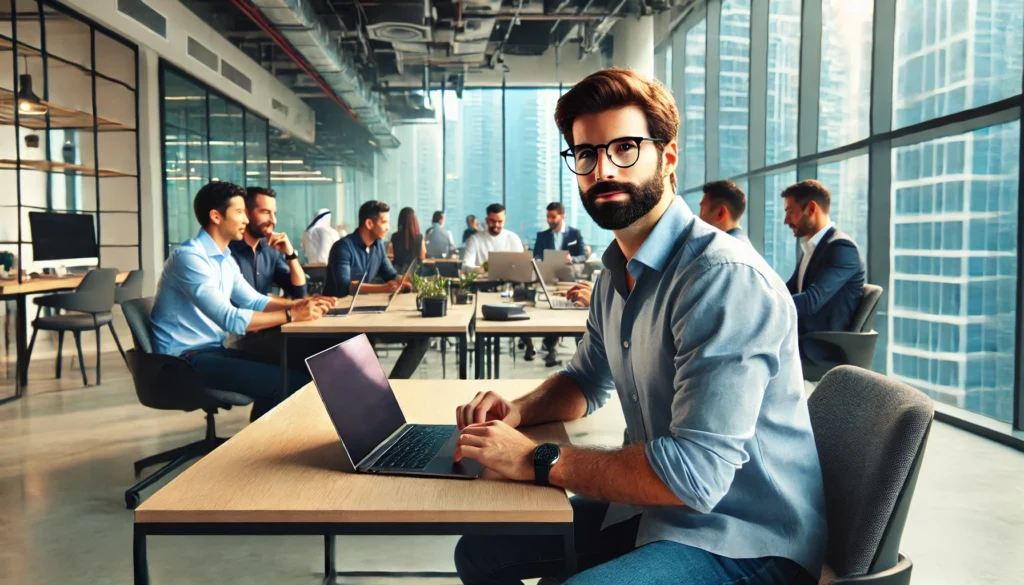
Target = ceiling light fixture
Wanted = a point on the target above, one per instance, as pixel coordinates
(29, 103)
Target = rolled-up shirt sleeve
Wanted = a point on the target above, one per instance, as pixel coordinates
(193, 276)
(589, 365)
(723, 362)
(283, 278)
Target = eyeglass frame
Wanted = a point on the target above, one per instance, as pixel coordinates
(638, 140)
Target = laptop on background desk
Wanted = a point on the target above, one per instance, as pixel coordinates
(510, 266)
(370, 423)
(556, 303)
(352, 308)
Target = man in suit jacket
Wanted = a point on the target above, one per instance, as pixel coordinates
(722, 206)
(560, 236)
(828, 282)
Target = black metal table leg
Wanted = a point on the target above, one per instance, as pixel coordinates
(478, 351)
(330, 570)
(141, 566)
(497, 356)
(569, 539)
(444, 357)
(21, 344)
(463, 341)
(284, 365)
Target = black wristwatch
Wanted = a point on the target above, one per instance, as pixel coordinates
(544, 458)
(288, 315)
(293, 256)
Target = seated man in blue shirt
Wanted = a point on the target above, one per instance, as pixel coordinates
(720, 480)
(365, 253)
(722, 206)
(828, 282)
(202, 297)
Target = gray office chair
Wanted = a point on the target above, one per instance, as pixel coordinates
(856, 346)
(131, 288)
(169, 383)
(89, 305)
(870, 432)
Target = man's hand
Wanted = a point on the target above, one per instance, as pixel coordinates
(393, 285)
(331, 301)
(485, 407)
(498, 447)
(580, 293)
(309, 310)
(279, 241)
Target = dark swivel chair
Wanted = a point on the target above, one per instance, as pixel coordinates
(131, 288)
(870, 432)
(168, 383)
(856, 346)
(89, 309)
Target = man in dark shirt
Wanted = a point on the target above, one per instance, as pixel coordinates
(722, 206)
(267, 258)
(472, 227)
(364, 255)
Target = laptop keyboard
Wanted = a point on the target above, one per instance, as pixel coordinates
(562, 303)
(416, 448)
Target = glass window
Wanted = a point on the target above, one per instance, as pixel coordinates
(779, 243)
(256, 169)
(473, 154)
(532, 165)
(186, 152)
(953, 55)
(783, 80)
(969, 298)
(693, 106)
(845, 99)
(734, 87)
(227, 141)
(847, 181)
(410, 175)
(301, 192)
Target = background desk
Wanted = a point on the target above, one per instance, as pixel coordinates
(400, 323)
(542, 321)
(11, 288)
(281, 475)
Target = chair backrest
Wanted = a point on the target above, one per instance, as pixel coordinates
(131, 288)
(870, 432)
(864, 318)
(136, 312)
(95, 294)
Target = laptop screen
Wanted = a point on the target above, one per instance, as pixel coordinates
(357, 395)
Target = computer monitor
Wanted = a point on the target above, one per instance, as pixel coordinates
(60, 240)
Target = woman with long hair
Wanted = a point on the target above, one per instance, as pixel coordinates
(407, 241)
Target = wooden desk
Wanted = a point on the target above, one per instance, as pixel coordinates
(19, 291)
(543, 321)
(401, 322)
(280, 475)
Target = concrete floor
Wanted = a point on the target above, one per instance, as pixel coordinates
(66, 456)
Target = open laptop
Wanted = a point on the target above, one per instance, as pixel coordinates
(510, 266)
(353, 308)
(370, 423)
(556, 303)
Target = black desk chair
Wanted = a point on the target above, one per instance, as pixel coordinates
(90, 305)
(316, 277)
(168, 383)
(856, 346)
(871, 433)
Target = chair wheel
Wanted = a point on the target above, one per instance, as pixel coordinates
(131, 500)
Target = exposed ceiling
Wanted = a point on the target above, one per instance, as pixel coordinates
(343, 51)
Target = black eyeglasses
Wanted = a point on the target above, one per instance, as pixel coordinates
(623, 152)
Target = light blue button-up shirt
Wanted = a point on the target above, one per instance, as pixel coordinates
(703, 355)
(193, 307)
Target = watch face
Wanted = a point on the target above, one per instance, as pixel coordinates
(547, 453)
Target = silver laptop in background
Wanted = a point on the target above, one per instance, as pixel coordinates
(556, 303)
(510, 266)
(391, 299)
(370, 423)
(555, 260)
(343, 311)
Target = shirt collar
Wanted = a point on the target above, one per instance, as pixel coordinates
(810, 244)
(673, 227)
(239, 247)
(206, 241)
(565, 228)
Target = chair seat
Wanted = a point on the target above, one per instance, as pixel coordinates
(232, 398)
(73, 322)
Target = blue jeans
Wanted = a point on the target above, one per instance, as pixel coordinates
(610, 556)
(238, 371)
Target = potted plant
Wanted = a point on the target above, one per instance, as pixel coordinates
(462, 291)
(431, 295)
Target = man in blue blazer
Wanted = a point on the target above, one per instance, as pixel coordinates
(828, 282)
(560, 236)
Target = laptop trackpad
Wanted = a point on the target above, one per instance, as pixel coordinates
(443, 463)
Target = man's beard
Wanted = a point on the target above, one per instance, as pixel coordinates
(613, 215)
(494, 231)
(804, 229)
(257, 230)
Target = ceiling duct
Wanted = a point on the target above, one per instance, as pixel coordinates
(298, 23)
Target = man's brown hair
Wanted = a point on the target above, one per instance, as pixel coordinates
(810, 190)
(616, 88)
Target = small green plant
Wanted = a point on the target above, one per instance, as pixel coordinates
(432, 287)
(467, 279)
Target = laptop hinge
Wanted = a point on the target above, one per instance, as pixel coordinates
(382, 448)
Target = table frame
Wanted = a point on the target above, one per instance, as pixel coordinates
(329, 530)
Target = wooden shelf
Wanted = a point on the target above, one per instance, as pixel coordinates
(59, 167)
(60, 118)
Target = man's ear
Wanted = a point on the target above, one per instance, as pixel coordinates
(670, 158)
(721, 214)
(215, 217)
